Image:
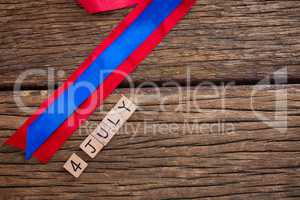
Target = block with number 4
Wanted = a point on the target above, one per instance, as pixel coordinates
(75, 165)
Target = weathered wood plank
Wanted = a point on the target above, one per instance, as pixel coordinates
(219, 41)
(255, 161)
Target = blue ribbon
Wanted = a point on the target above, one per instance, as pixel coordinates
(65, 105)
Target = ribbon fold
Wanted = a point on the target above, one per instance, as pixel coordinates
(118, 55)
(96, 6)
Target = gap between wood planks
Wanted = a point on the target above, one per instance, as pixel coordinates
(161, 84)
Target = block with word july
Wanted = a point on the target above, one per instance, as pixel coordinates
(75, 165)
(103, 134)
(114, 120)
(91, 146)
(125, 108)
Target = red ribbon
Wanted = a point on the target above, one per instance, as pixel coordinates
(95, 6)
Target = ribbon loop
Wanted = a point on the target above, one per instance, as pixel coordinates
(95, 6)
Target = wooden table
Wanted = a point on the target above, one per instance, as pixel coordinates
(174, 146)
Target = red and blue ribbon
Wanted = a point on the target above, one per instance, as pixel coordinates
(58, 117)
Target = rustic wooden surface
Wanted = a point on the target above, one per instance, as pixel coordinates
(220, 41)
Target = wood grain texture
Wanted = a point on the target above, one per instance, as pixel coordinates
(226, 143)
(254, 161)
(219, 40)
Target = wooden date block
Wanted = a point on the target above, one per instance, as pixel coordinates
(103, 133)
(75, 165)
(125, 108)
(114, 120)
(91, 146)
